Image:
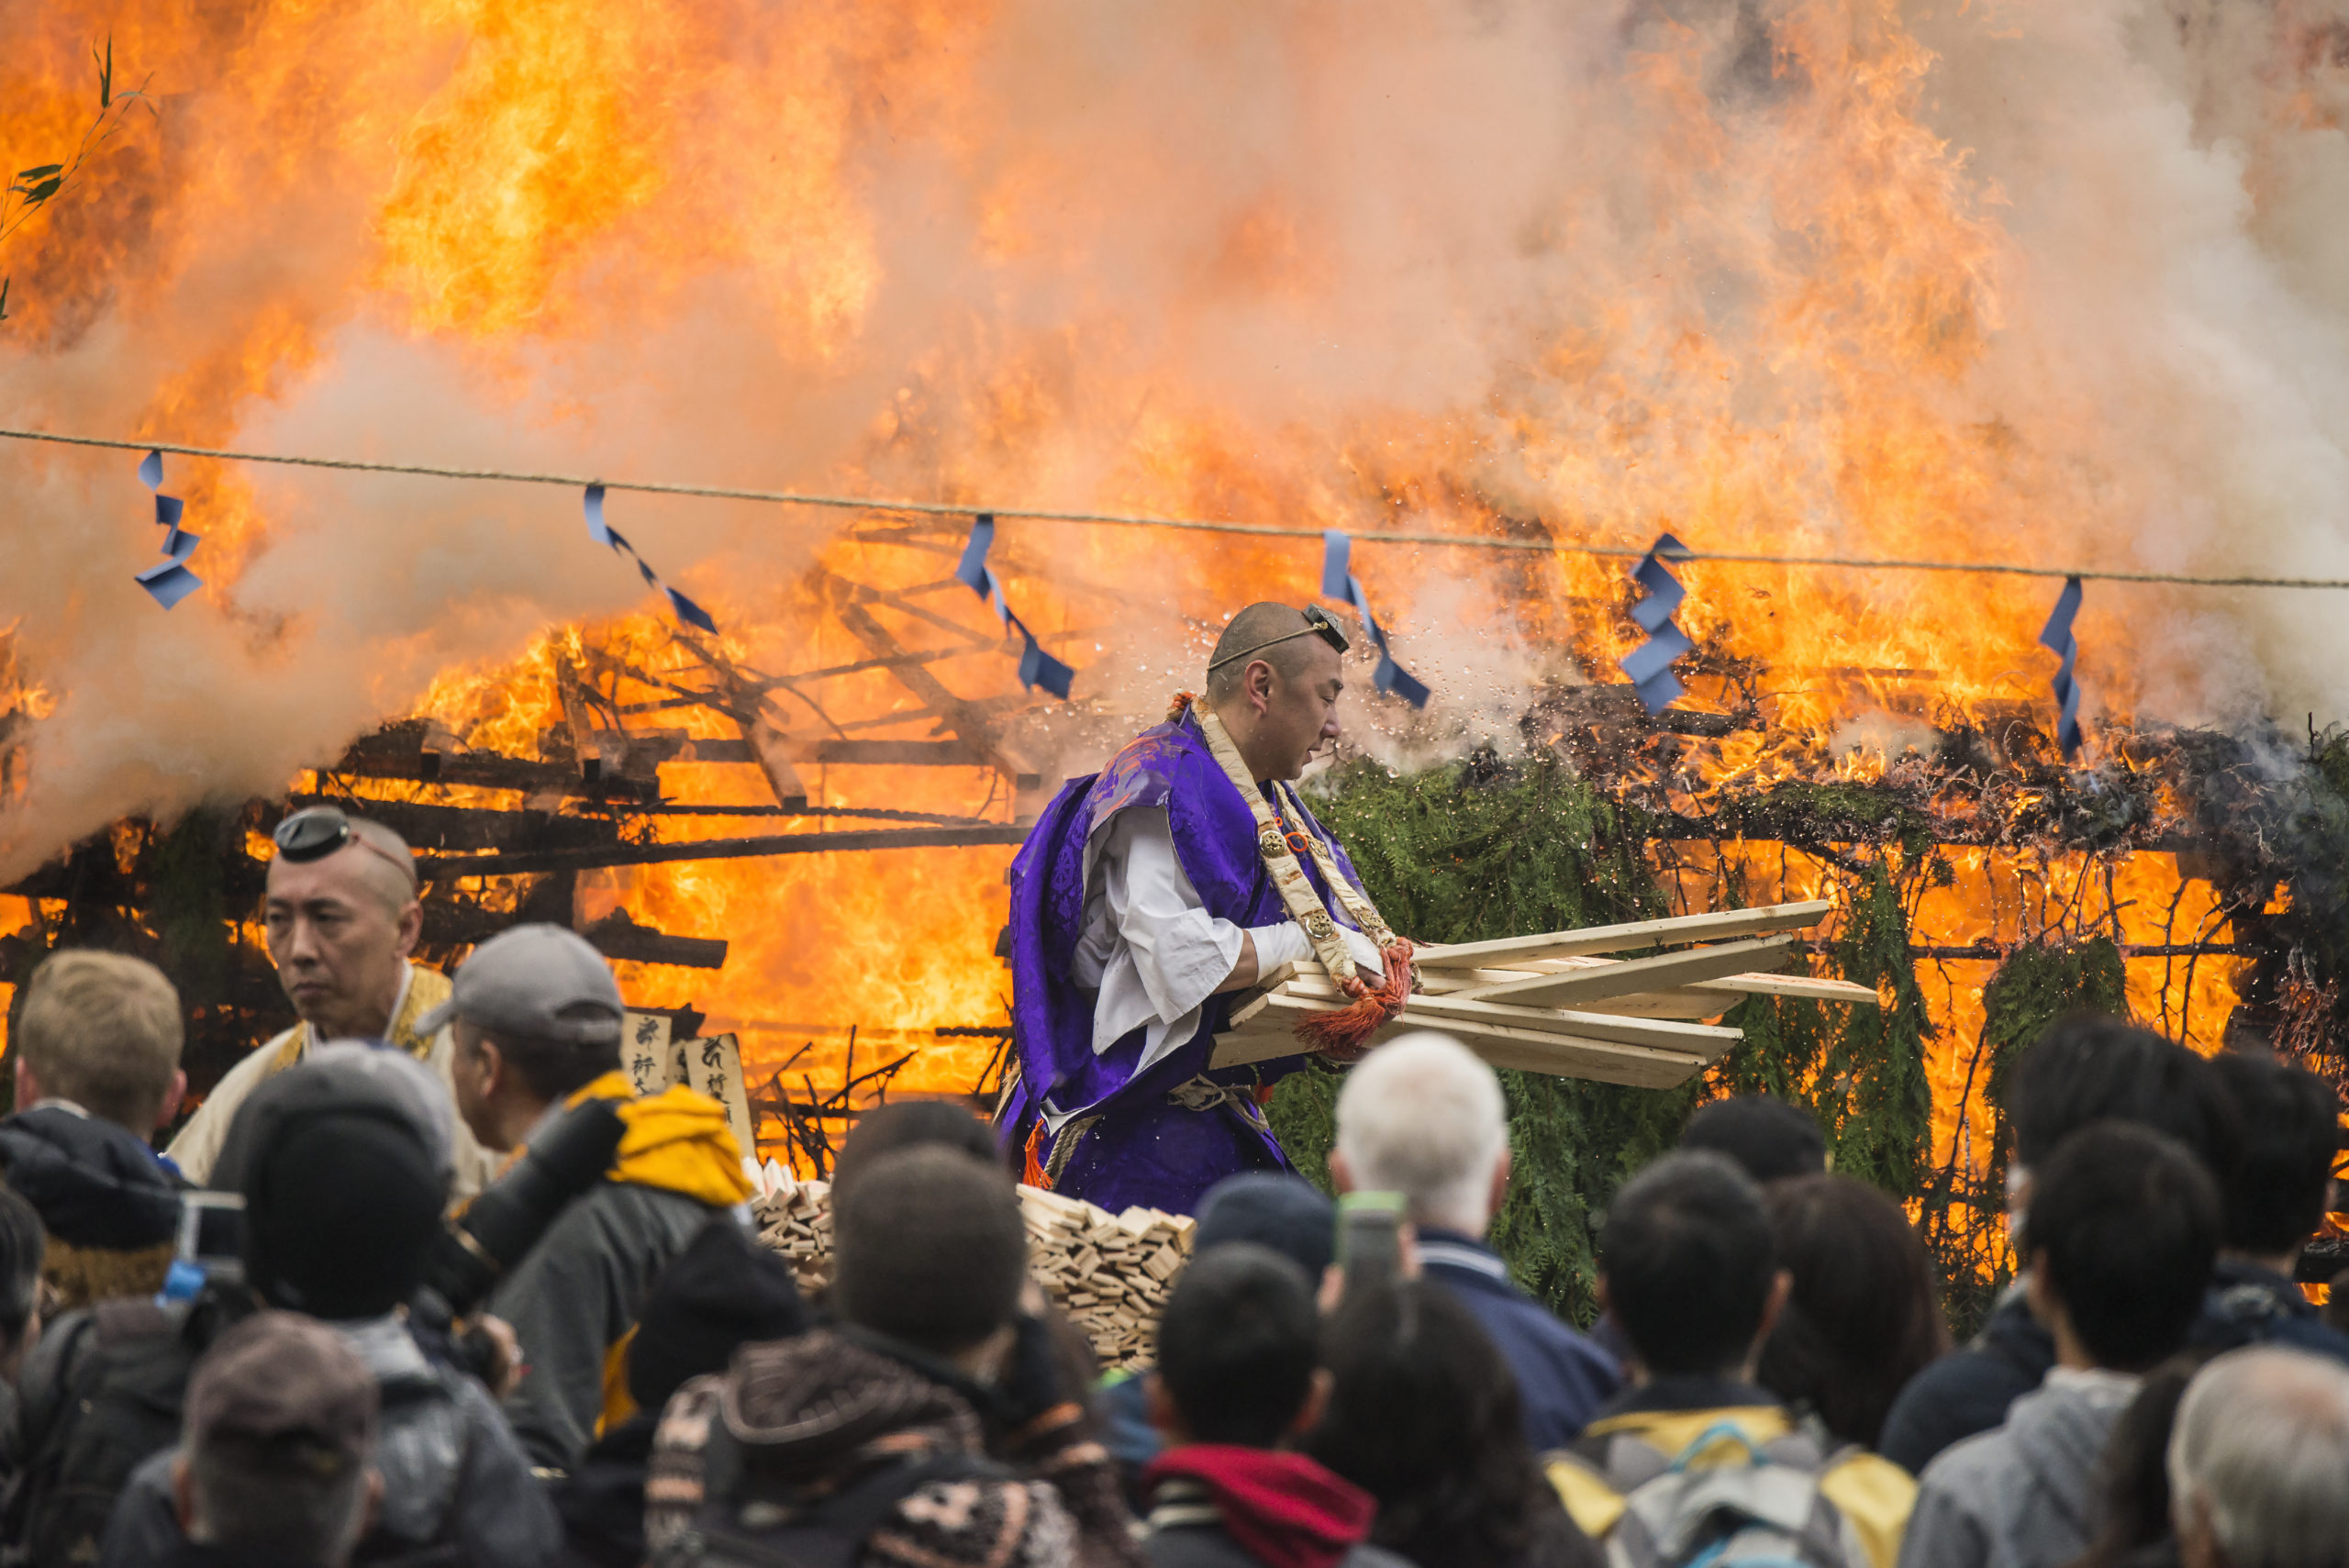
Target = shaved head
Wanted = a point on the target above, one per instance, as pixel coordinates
(1251, 629)
(383, 861)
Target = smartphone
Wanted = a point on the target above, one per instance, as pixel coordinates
(212, 1231)
(1370, 1238)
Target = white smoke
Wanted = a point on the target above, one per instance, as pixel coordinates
(1618, 269)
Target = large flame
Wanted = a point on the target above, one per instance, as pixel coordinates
(2029, 283)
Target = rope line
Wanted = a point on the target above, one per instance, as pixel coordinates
(1198, 525)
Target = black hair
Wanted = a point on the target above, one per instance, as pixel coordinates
(1863, 1315)
(2276, 1190)
(1424, 1415)
(2089, 1067)
(555, 1069)
(342, 1207)
(1237, 1345)
(1769, 1138)
(913, 1124)
(2125, 1223)
(23, 1246)
(1685, 1255)
(929, 1248)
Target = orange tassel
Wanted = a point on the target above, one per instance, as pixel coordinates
(1344, 1035)
(1033, 1174)
(1182, 700)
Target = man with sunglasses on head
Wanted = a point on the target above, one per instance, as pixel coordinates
(1149, 896)
(341, 917)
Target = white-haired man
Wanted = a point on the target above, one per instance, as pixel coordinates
(2259, 1461)
(1422, 1117)
(341, 917)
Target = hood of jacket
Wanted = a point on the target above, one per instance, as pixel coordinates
(1283, 1510)
(2059, 1432)
(94, 1184)
(804, 1409)
(677, 1140)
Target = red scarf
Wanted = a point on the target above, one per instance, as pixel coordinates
(1283, 1510)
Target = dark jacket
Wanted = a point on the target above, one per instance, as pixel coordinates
(1221, 1506)
(816, 1415)
(2249, 1305)
(453, 1474)
(110, 1206)
(1562, 1377)
(1968, 1391)
(602, 1501)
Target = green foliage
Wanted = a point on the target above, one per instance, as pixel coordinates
(1477, 850)
(189, 906)
(2035, 987)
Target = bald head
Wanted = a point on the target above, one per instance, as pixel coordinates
(1296, 651)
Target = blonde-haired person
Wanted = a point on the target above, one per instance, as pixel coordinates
(96, 1050)
(341, 917)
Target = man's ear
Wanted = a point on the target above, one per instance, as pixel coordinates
(171, 1098)
(27, 1085)
(1499, 1190)
(1258, 687)
(1782, 1287)
(1341, 1176)
(411, 928)
(1317, 1401)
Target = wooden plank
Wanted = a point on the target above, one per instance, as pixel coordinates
(1504, 950)
(1816, 987)
(1665, 971)
(1697, 1039)
(1561, 1055)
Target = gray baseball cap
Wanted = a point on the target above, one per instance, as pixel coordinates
(539, 982)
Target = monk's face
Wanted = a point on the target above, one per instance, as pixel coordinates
(340, 935)
(1295, 715)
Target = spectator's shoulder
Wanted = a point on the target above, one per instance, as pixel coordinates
(1973, 1470)
(1020, 1524)
(1957, 1397)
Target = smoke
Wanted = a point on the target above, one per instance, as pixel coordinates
(2056, 284)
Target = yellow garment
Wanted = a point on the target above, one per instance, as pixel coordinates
(1875, 1494)
(619, 1403)
(677, 1140)
(427, 989)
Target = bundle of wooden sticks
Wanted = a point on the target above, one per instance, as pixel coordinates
(1559, 1003)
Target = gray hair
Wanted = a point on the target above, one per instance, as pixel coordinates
(1422, 1116)
(2261, 1450)
(244, 1499)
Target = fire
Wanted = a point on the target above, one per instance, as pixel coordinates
(1784, 287)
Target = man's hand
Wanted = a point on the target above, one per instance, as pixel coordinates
(496, 1351)
(1243, 972)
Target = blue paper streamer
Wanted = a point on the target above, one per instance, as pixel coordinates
(1649, 666)
(604, 533)
(169, 579)
(1037, 667)
(1338, 583)
(2057, 636)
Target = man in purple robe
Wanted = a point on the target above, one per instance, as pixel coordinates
(1141, 904)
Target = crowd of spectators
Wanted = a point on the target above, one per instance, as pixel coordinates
(332, 1351)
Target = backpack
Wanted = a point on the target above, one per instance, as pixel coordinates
(1766, 1512)
(746, 1525)
(101, 1395)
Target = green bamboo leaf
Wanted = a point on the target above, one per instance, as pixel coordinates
(3, 299)
(37, 173)
(43, 191)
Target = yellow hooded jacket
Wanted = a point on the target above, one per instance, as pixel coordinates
(573, 1300)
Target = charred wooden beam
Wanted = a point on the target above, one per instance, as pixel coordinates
(618, 936)
(429, 828)
(846, 753)
(442, 868)
(397, 753)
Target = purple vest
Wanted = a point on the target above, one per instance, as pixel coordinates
(1215, 839)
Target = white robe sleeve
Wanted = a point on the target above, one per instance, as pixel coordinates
(1150, 948)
